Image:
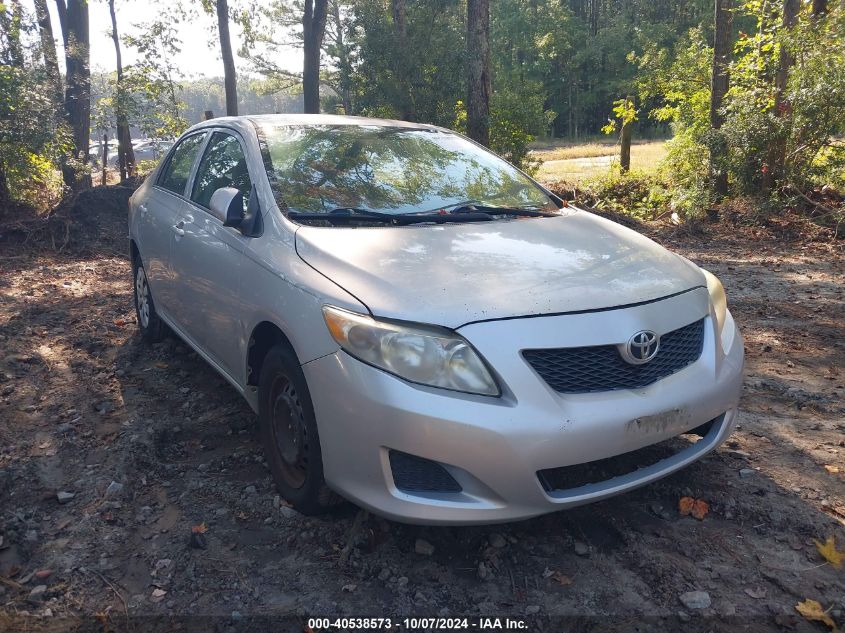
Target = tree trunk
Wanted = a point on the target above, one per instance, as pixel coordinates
(313, 31)
(344, 65)
(625, 150)
(783, 109)
(819, 8)
(718, 89)
(5, 195)
(10, 24)
(75, 31)
(402, 60)
(478, 71)
(125, 153)
(48, 49)
(229, 77)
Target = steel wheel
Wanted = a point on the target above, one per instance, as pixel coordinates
(142, 297)
(290, 433)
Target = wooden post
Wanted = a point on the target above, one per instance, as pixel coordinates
(207, 115)
(625, 151)
(105, 155)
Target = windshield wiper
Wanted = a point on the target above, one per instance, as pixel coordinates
(510, 211)
(346, 215)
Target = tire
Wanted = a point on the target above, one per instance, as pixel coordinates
(150, 324)
(289, 433)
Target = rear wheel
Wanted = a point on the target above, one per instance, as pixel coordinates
(289, 433)
(149, 323)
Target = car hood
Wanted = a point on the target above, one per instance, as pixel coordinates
(454, 274)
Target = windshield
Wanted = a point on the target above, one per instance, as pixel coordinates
(396, 170)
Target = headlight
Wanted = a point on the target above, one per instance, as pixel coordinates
(717, 298)
(435, 358)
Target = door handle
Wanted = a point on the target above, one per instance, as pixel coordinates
(178, 228)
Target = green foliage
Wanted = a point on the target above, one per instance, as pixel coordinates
(32, 137)
(644, 196)
(624, 112)
(807, 124)
(151, 89)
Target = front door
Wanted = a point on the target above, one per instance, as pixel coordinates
(207, 258)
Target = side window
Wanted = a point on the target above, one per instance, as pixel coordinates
(176, 173)
(222, 165)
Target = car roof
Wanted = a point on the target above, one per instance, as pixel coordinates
(243, 122)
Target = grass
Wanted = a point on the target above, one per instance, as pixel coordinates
(577, 163)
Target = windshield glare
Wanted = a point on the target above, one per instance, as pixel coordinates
(317, 168)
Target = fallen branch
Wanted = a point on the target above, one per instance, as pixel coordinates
(818, 205)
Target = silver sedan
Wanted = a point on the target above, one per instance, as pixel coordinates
(422, 328)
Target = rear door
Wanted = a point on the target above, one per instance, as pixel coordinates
(207, 257)
(159, 214)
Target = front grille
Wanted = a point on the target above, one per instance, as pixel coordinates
(415, 474)
(602, 368)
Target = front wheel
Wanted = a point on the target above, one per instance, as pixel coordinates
(289, 433)
(149, 323)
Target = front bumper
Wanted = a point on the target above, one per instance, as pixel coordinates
(494, 447)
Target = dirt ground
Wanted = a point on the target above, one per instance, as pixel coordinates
(111, 450)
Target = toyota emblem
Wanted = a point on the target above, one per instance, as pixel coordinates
(641, 347)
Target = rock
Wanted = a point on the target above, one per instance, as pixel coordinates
(384, 574)
(38, 592)
(695, 599)
(532, 609)
(402, 581)
(744, 473)
(581, 549)
(64, 497)
(423, 547)
(114, 488)
(349, 588)
(483, 572)
(497, 540)
(250, 490)
(288, 512)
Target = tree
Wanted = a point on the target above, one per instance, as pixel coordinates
(48, 49)
(229, 75)
(125, 153)
(10, 25)
(722, 43)
(313, 30)
(478, 70)
(73, 15)
(402, 59)
(782, 109)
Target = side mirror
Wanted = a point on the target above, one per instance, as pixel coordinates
(227, 205)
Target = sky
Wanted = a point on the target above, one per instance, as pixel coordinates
(200, 56)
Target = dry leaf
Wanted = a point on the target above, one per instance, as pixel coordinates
(561, 579)
(158, 595)
(831, 469)
(829, 552)
(161, 365)
(700, 509)
(202, 528)
(119, 322)
(812, 610)
(685, 506)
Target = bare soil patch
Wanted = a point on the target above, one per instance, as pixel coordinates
(149, 442)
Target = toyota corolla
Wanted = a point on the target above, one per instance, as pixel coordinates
(423, 329)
